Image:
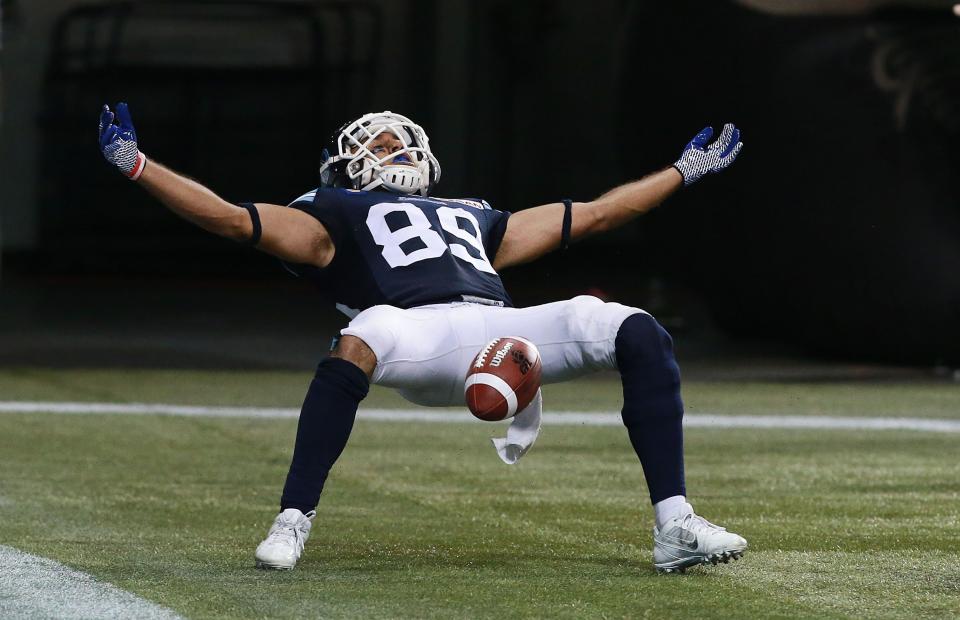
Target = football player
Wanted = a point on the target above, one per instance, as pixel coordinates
(418, 276)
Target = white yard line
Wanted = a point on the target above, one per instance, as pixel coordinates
(446, 416)
(35, 587)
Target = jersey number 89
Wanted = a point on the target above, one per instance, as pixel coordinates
(433, 242)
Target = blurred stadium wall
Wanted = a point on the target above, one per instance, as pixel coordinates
(839, 228)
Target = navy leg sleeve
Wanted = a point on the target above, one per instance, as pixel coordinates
(326, 420)
(652, 409)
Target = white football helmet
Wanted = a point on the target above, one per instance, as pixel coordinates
(353, 165)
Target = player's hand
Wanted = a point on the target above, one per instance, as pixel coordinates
(118, 143)
(699, 159)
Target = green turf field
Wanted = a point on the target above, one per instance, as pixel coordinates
(422, 520)
(930, 399)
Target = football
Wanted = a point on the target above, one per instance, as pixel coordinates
(503, 378)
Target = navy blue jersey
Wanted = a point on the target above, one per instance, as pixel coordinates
(405, 251)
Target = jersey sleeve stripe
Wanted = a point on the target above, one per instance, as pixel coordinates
(308, 197)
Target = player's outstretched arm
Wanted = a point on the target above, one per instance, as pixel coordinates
(289, 234)
(531, 233)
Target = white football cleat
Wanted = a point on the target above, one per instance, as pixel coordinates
(689, 540)
(284, 543)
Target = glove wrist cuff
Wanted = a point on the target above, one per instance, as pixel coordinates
(689, 178)
(138, 167)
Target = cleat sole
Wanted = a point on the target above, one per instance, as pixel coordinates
(712, 559)
(265, 566)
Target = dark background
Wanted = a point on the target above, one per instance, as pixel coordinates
(835, 234)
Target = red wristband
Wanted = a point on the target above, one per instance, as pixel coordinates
(138, 167)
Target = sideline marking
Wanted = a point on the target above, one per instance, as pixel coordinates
(36, 587)
(447, 416)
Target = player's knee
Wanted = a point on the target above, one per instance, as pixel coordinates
(595, 324)
(650, 375)
(335, 377)
(357, 352)
(641, 341)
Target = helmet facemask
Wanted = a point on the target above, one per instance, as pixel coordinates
(358, 167)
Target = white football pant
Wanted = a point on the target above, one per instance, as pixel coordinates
(425, 352)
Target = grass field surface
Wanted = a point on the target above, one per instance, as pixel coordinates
(422, 520)
(928, 399)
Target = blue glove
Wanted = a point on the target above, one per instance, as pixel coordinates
(118, 143)
(699, 159)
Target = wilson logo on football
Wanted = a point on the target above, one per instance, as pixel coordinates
(502, 353)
